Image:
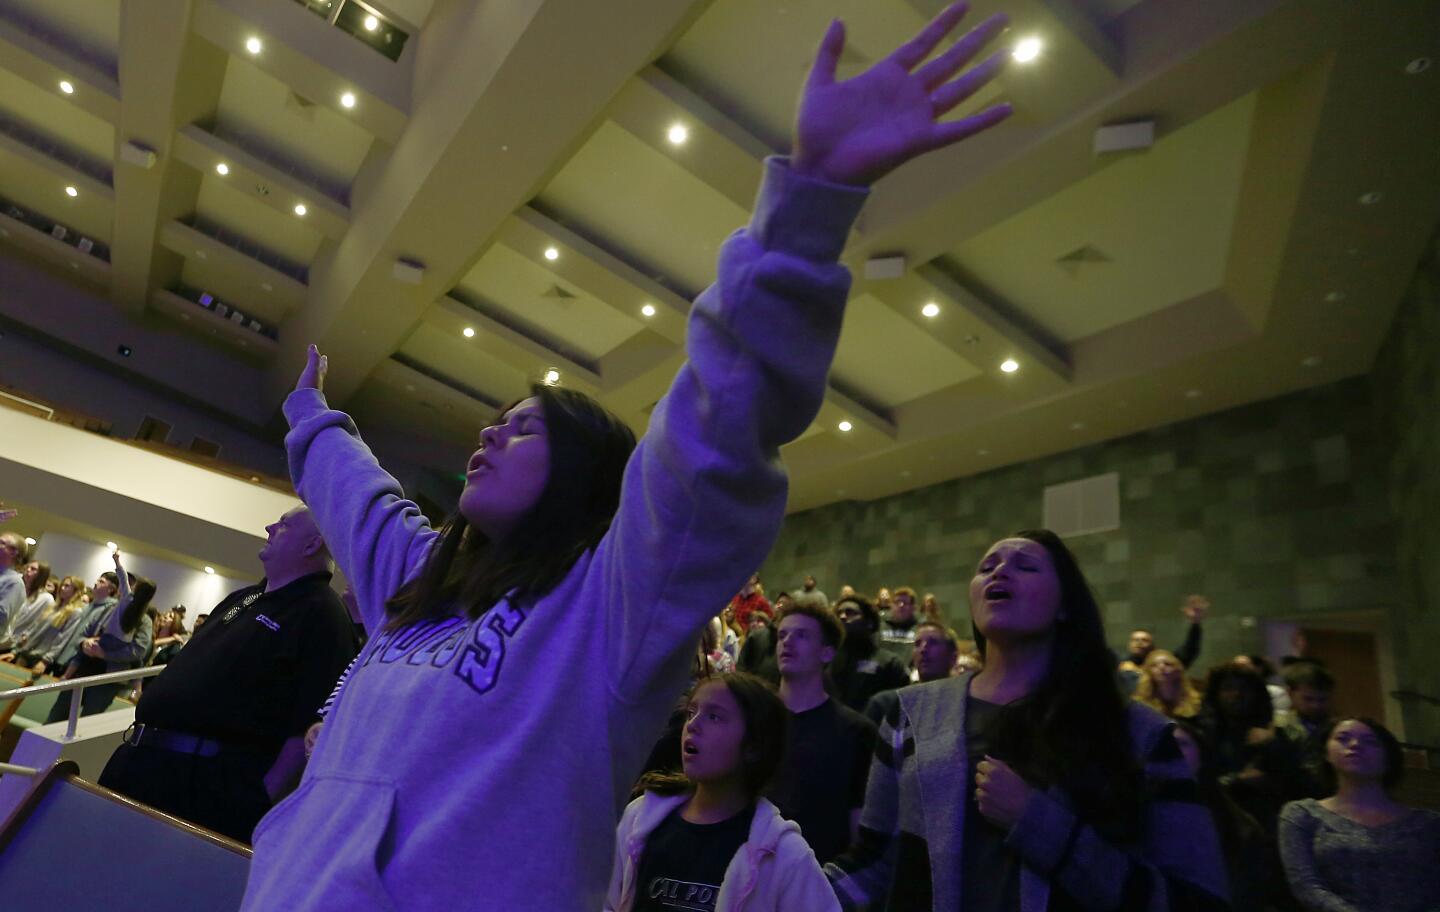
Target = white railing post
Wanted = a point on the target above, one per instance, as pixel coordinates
(75, 697)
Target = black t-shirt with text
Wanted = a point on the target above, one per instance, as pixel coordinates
(684, 863)
(823, 778)
(259, 669)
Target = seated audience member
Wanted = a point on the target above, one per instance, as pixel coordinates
(12, 584)
(750, 599)
(219, 735)
(1165, 687)
(809, 595)
(114, 639)
(1257, 883)
(897, 626)
(1256, 767)
(930, 609)
(1305, 726)
(821, 783)
(1142, 641)
(40, 645)
(705, 838)
(1360, 850)
(38, 601)
(861, 669)
(1033, 778)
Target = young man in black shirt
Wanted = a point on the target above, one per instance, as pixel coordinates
(861, 668)
(821, 783)
(219, 735)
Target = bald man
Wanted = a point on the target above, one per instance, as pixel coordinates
(219, 735)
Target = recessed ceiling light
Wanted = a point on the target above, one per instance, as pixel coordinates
(300, 209)
(222, 169)
(1312, 361)
(1418, 65)
(67, 87)
(71, 192)
(1335, 297)
(111, 546)
(371, 23)
(29, 541)
(1192, 394)
(552, 254)
(253, 45)
(468, 332)
(1371, 198)
(210, 571)
(347, 100)
(846, 426)
(931, 310)
(1027, 49)
(552, 377)
(1010, 365)
(648, 310)
(678, 134)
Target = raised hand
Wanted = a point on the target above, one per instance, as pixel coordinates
(313, 376)
(1195, 609)
(857, 131)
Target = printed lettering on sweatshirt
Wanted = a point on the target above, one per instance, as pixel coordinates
(683, 894)
(474, 649)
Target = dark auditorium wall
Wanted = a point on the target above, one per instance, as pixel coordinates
(1406, 383)
(1278, 509)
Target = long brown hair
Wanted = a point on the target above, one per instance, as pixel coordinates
(61, 614)
(41, 578)
(589, 449)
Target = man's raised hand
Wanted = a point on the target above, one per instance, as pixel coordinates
(857, 131)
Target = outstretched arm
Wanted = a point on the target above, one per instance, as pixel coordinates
(704, 493)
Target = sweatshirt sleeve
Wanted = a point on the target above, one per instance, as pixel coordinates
(63, 641)
(378, 538)
(122, 648)
(704, 492)
(1297, 853)
(800, 884)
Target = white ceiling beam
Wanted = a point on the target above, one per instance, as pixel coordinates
(30, 58)
(517, 348)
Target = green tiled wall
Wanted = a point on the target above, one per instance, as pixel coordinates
(1276, 509)
(1407, 399)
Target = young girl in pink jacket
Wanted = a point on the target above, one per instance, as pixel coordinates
(705, 841)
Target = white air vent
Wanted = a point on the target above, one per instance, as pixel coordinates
(1085, 506)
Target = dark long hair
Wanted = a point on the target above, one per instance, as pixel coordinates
(762, 750)
(1073, 731)
(140, 595)
(1394, 755)
(589, 448)
(1258, 712)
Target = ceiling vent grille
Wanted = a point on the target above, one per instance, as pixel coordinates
(1083, 507)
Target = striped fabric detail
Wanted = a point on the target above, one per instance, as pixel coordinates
(344, 676)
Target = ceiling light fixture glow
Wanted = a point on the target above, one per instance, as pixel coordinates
(347, 100)
(846, 426)
(552, 377)
(648, 310)
(222, 169)
(67, 87)
(29, 540)
(931, 310)
(468, 332)
(300, 209)
(552, 254)
(678, 134)
(111, 546)
(371, 23)
(1009, 365)
(71, 192)
(253, 45)
(1027, 49)
(210, 571)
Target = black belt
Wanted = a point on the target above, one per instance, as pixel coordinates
(141, 735)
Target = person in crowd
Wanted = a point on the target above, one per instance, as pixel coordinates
(1195, 609)
(936, 650)
(12, 584)
(733, 635)
(897, 626)
(170, 636)
(714, 646)
(426, 756)
(38, 602)
(846, 591)
(39, 646)
(821, 784)
(1360, 850)
(200, 621)
(757, 652)
(1257, 884)
(95, 602)
(749, 599)
(809, 595)
(226, 720)
(1256, 767)
(969, 658)
(1034, 778)
(1165, 687)
(1279, 698)
(882, 600)
(930, 609)
(861, 669)
(112, 640)
(1305, 726)
(706, 839)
